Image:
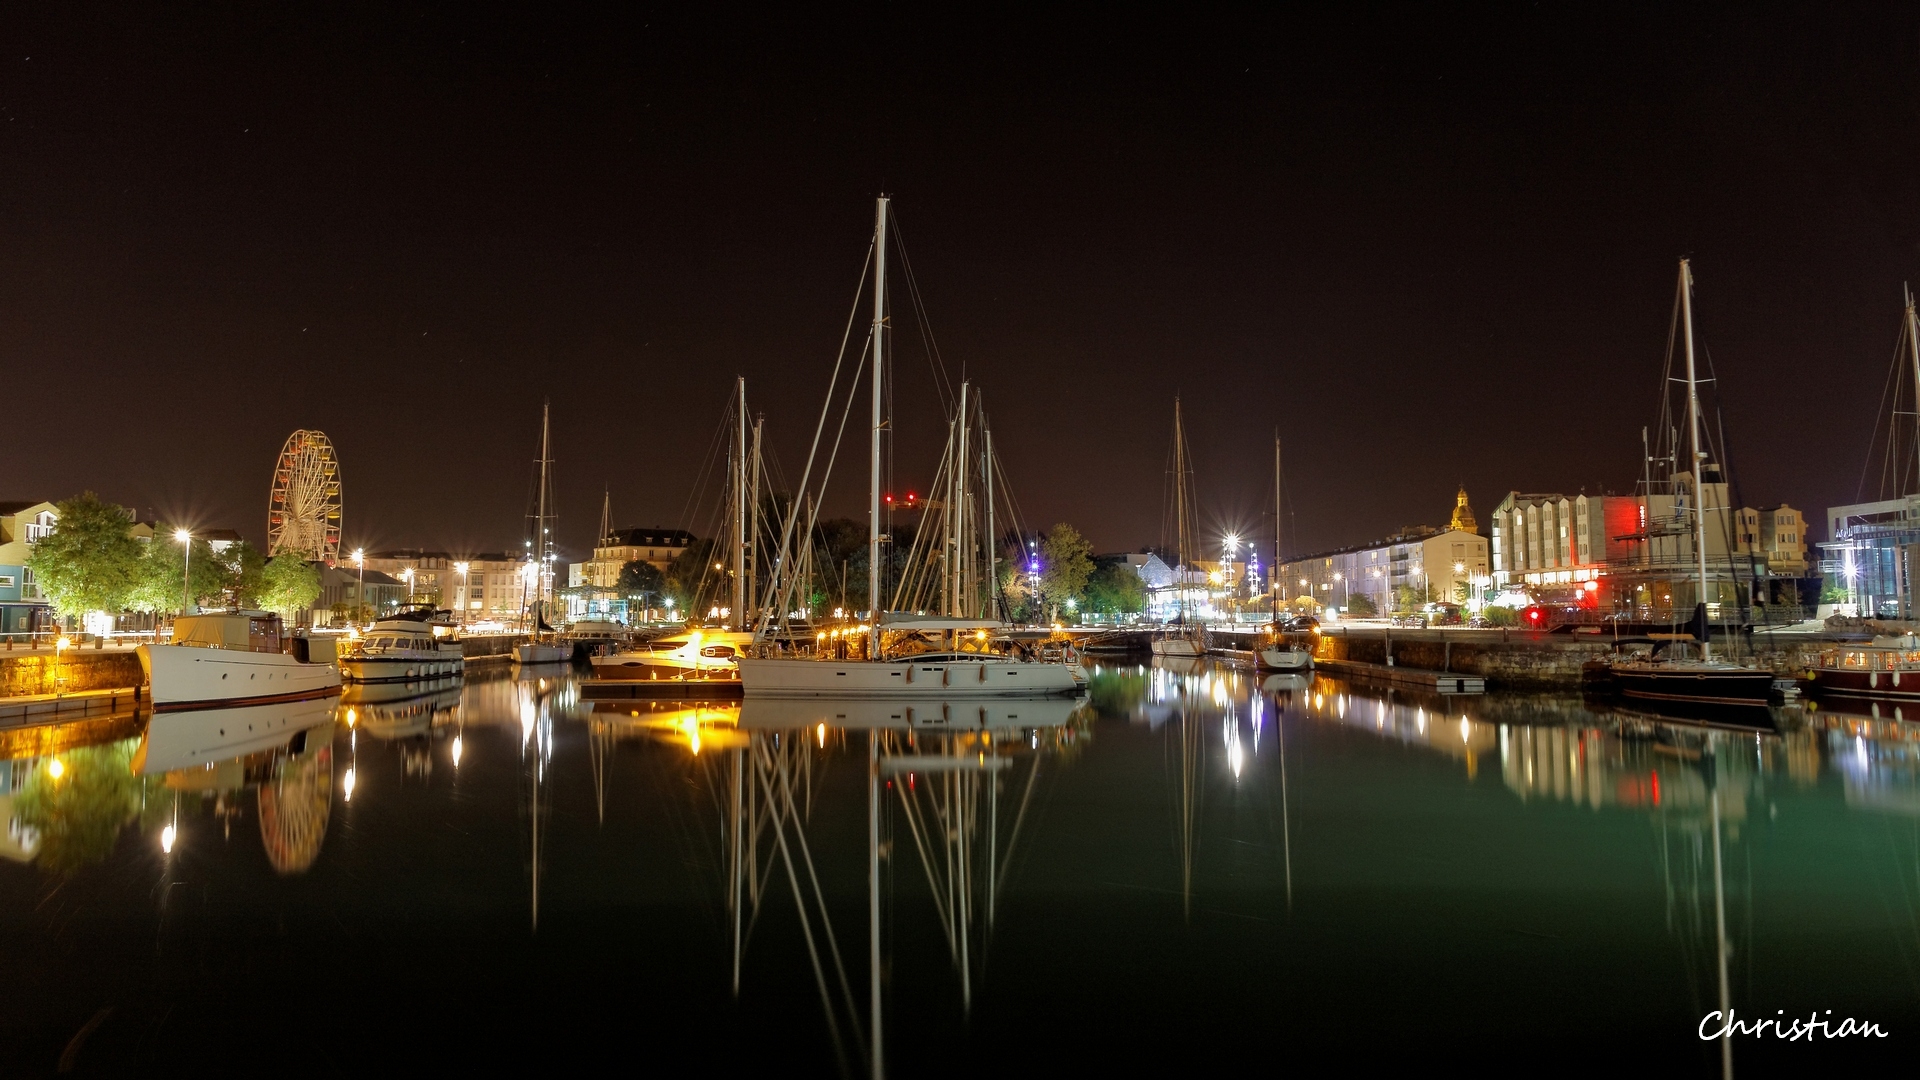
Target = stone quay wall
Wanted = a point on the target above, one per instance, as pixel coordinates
(79, 669)
(1518, 659)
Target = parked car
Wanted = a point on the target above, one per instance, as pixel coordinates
(1480, 622)
(1410, 618)
(1299, 624)
(1443, 614)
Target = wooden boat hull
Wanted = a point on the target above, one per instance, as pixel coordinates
(1179, 647)
(1286, 659)
(1890, 685)
(537, 653)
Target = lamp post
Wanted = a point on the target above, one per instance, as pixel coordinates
(186, 569)
(1344, 597)
(360, 594)
(461, 569)
(408, 574)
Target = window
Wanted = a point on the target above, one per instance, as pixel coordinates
(6, 581)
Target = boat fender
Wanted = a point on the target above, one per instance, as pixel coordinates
(909, 673)
(983, 673)
(945, 675)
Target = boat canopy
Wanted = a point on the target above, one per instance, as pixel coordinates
(907, 620)
(227, 629)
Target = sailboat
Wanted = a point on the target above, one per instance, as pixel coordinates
(1186, 640)
(1662, 676)
(545, 646)
(936, 675)
(1281, 654)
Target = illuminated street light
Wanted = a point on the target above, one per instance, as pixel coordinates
(360, 560)
(186, 568)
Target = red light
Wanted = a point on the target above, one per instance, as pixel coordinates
(889, 498)
(1656, 789)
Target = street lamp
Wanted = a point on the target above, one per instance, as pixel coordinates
(408, 574)
(461, 568)
(186, 569)
(360, 594)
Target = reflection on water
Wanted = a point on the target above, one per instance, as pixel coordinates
(929, 877)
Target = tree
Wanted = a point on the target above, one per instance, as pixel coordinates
(289, 583)
(1066, 564)
(165, 576)
(689, 577)
(640, 579)
(1115, 588)
(89, 560)
(244, 566)
(1362, 605)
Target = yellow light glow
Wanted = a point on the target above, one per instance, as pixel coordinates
(64, 643)
(166, 840)
(182, 535)
(456, 751)
(351, 717)
(821, 731)
(56, 768)
(347, 784)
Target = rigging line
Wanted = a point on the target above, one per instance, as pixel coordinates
(786, 532)
(1891, 387)
(921, 551)
(813, 508)
(819, 897)
(942, 382)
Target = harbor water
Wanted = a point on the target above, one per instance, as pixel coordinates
(1194, 868)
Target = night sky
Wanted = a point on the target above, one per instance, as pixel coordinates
(1433, 246)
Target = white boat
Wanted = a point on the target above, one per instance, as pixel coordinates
(1282, 655)
(1177, 646)
(542, 652)
(1185, 640)
(696, 653)
(406, 648)
(934, 676)
(904, 667)
(1285, 658)
(546, 645)
(597, 637)
(230, 658)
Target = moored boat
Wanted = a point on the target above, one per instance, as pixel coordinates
(407, 647)
(230, 658)
(1888, 667)
(704, 654)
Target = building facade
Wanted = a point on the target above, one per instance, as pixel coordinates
(655, 547)
(23, 608)
(485, 586)
(1434, 564)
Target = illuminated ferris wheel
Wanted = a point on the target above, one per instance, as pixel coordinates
(304, 512)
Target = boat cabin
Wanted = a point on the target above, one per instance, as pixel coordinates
(1884, 654)
(249, 631)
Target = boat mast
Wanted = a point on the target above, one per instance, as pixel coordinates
(1913, 349)
(879, 367)
(740, 505)
(1273, 572)
(750, 551)
(1180, 511)
(543, 543)
(993, 542)
(1699, 459)
(959, 513)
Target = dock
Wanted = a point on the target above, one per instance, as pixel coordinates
(1439, 682)
(45, 708)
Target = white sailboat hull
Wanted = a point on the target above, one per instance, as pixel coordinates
(1184, 647)
(935, 681)
(1286, 659)
(189, 676)
(537, 653)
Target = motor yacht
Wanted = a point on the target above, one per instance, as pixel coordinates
(232, 658)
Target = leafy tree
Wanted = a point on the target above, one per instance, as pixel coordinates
(89, 561)
(690, 578)
(289, 583)
(1408, 598)
(1066, 562)
(1500, 616)
(1362, 605)
(640, 579)
(1115, 588)
(245, 568)
(161, 581)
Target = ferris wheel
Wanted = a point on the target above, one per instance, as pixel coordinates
(304, 512)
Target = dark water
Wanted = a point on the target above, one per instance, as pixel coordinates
(1186, 872)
